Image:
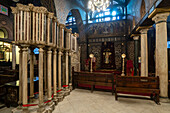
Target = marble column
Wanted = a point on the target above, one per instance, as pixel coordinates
(49, 82)
(55, 76)
(45, 72)
(31, 75)
(24, 77)
(13, 56)
(40, 68)
(144, 53)
(136, 40)
(60, 96)
(161, 53)
(49, 52)
(67, 91)
(70, 72)
(20, 79)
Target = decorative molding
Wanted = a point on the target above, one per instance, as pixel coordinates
(22, 7)
(161, 17)
(50, 15)
(14, 10)
(158, 10)
(143, 27)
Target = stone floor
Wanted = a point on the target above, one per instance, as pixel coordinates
(83, 101)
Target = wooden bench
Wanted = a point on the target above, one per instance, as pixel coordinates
(138, 85)
(93, 79)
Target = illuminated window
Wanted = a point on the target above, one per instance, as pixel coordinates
(70, 20)
(107, 19)
(116, 11)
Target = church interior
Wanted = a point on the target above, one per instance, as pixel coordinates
(84, 56)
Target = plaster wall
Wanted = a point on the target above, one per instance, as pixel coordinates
(134, 8)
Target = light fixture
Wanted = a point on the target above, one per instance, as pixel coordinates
(98, 5)
(15, 0)
(91, 67)
(123, 65)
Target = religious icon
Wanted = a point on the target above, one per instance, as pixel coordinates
(107, 55)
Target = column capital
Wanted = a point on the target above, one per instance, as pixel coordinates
(144, 31)
(50, 15)
(62, 26)
(60, 53)
(41, 50)
(14, 10)
(160, 17)
(55, 19)
(39, 9)
(136, 38)
(54, 52)
(22, 7)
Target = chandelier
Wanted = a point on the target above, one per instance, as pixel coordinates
(98, 5)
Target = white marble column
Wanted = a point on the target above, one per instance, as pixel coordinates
(13, 56)
(31, 75)
(67, 72)
(49, 52)
(24, 77)
(20, 78)
(60, 96)
(40, 68)
(144, 53)
(45, 71)
(70, 68)
(49, 82)
(55, 76)
(161, 53)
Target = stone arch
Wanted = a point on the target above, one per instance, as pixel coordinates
(79, 21)
(6, 24)
(5, 32)
(142, 9)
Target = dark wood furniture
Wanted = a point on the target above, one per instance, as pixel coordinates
(12, 91)
(93, 79)
(138, 85)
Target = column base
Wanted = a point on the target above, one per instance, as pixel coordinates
(16, 110)
(50, 108)
(31, 99)
(41, 108)
(164, 100)
(67, 92)
(23, 110)
(19, 107)
(55, 100)
(60, 97)
(70, 87)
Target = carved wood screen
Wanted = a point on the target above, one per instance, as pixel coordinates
(108, 56)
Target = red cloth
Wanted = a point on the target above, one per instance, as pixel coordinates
(129, 66)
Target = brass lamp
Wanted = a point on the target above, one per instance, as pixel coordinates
(91, 57)
(123, 65)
